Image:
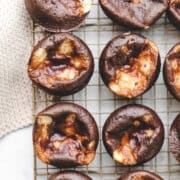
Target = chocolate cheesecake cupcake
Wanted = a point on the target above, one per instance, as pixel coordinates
(134, 14)
(140, 175)
(58, 16)
(69, 175)
(129, 65)
(65, 135)
(173, 13)
(61, 64)
(174, 138)
(171, 71)
(133, 134)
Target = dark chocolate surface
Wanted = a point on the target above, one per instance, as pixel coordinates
(133, 134)
(174, 138)
(65, 135)
(173, 13)
(129, 65)
(172, 71)
(69, 175)
(140, 175)
(62, 64)
(58, 16)
(138, 14)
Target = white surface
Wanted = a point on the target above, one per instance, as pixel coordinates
(16, 155)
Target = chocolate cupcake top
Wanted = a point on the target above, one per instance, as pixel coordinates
(174, 12)
(172, 71)
(140, 175)
(174, 138)
(65, 135)
(134, 13)
(58, 16)
(61, 63)
(129, 65)
(133, 134)
(69, 175)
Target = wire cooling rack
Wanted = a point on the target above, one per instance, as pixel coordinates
(96, 32)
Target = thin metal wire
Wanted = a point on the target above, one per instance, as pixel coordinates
(100, 103)
(100, 169)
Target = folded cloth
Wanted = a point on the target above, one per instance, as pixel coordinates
(15, 47)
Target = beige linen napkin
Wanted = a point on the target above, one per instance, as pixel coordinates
(15, 47)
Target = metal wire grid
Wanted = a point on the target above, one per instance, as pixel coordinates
(96, 32)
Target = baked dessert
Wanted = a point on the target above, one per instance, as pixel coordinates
(58, 16)
(133, 134)
(171, 71)
(140, 175)
(130, 65)
(173, 13)
(62, 64)
(134, 14)
(174, 138)
(69, 175)
(65, 135)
